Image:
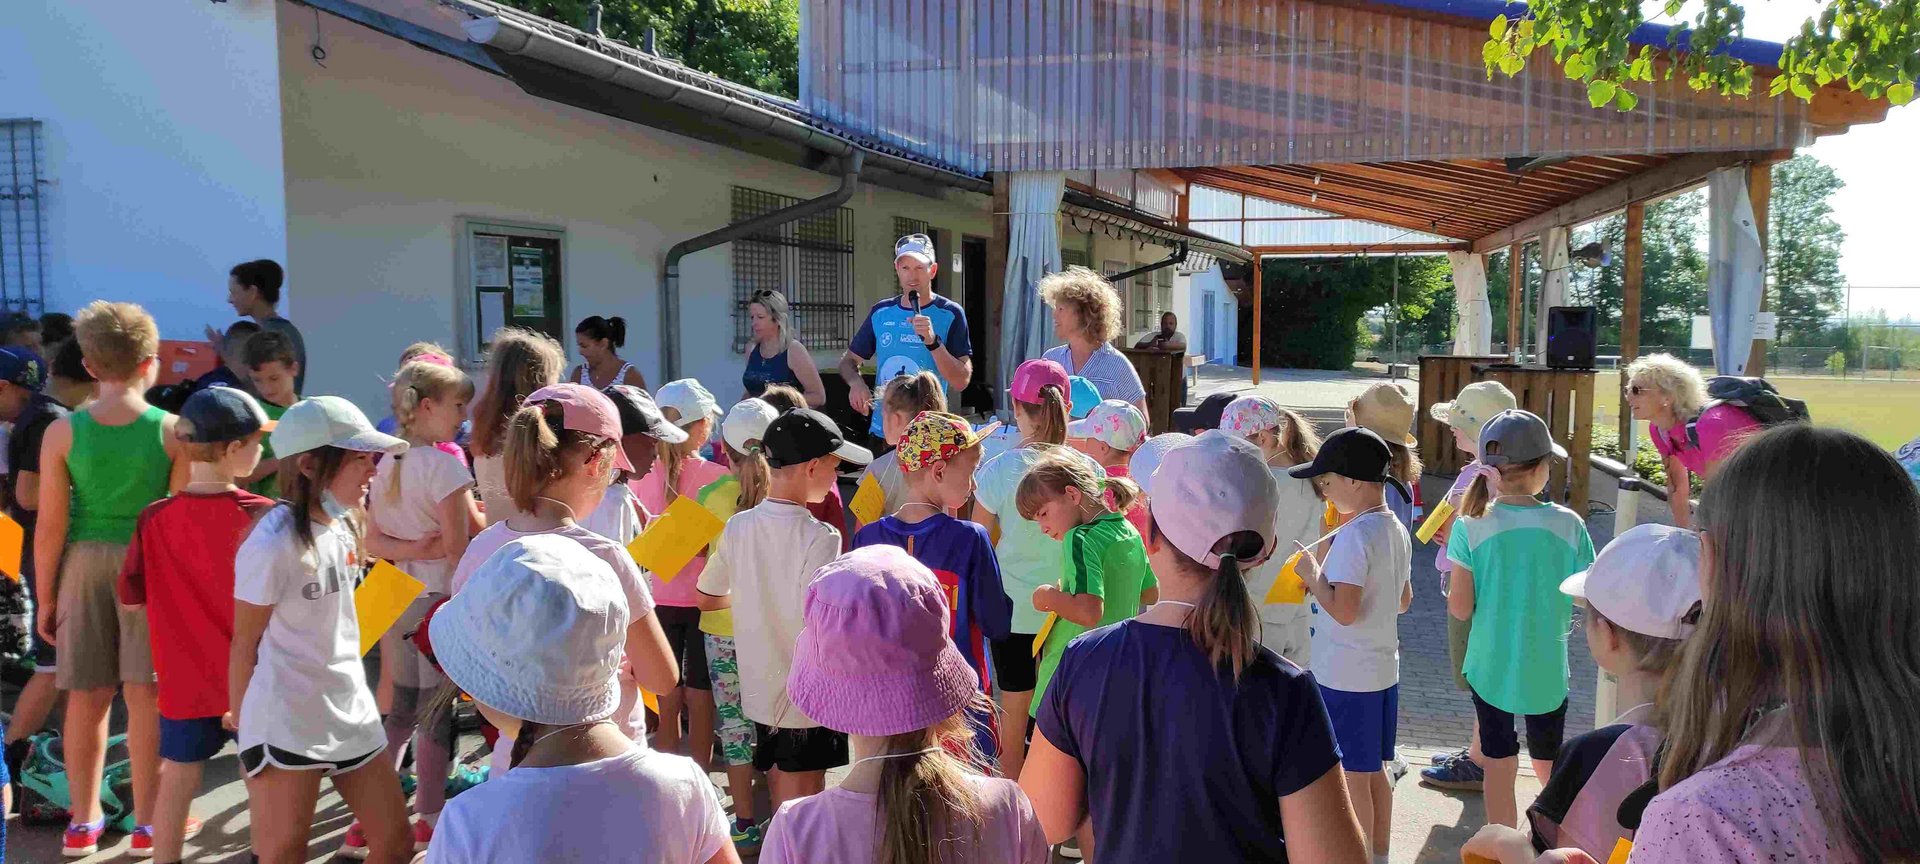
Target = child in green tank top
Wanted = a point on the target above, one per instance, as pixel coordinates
(99, 468)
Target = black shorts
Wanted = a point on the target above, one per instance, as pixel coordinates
(1497, 738)
(255, 759)
(682, 624)
(798, 750)
(1015, 669)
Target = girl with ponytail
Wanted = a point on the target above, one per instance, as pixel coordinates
(1029, 558)
(1175, 734)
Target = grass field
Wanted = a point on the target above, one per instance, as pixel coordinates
(1886, 411)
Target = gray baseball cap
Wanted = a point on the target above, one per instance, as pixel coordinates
(1516, 437)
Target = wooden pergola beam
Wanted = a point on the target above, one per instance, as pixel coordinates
(1355, 248)
(1677, 174)
(1760, 192)
(1632, 277)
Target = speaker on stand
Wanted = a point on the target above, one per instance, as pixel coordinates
(1571, 334)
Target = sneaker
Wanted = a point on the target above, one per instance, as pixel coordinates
(1458, 774)
(746, 838)
(1449, 756)
(143, 837)
(1396, 768)
(355, 844)
(1071, 849)
(408, 783)
(82, 840)
(422, 835)
(466, 777)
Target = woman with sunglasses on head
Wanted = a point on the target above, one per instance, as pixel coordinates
(774, 356)
(1691, 435)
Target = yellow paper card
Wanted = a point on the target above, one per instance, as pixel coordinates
(1288, 587)
(1441, 513)
(1621, 848)
(13, 538)
(381, 599)
(674, 537)
(1046, 627)
(869, 501)
(651, 701)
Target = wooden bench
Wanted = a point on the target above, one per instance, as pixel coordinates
(1194, 362)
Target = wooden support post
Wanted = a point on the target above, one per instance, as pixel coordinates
(1633, 265)
(996, 280)
(1516, 291)
(1760, 192)
(1257, 291)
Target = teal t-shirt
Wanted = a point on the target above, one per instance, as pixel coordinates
(1107, 558)
(1517, 656)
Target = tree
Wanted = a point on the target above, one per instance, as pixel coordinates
(1872, 45)
(1673, 286)
(751, 42)
(1313, 307)
(1803, 250)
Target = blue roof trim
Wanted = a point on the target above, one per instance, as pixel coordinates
(1754, 51)
(458, 49)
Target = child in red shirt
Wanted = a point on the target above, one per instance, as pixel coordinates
(180, 564)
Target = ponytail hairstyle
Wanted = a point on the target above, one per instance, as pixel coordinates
(1046, 422)
(540, 450)
(1225, 623)
(418, 381)
(1298, 439)
(1060, 469)
(1481, 492)
(912, 394)
(519, 362)
(750, 468)
(612, 330)
(306, 486)
(928, 806)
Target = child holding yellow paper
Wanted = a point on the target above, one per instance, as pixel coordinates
(1285, 439)
(906, 396)
(180, 568)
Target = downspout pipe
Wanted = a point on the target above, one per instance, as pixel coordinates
(850, 164)
(1179, 255)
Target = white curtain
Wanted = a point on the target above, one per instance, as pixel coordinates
(1473, 318)
(1553, 286)
(1736, 269)
(1033, 251)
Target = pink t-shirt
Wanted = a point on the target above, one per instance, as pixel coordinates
(1137, 514)
(1754, 805)
(1719, 429)
(838, 825)
(695, 474)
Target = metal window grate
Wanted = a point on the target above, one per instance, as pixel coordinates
(809, 260)
(903, 225)
(23, 226)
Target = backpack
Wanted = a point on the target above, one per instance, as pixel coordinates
(1756, 396)
(43, 783)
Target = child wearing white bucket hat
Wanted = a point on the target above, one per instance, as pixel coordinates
(535, 637)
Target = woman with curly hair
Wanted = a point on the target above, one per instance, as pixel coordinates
(1086, 313)
(1691, 434)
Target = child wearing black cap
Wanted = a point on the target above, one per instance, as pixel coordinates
(180, 566)
(1358, 594)
(765, 557)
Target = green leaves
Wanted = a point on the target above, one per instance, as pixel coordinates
(1901, 93)
(1600, 92)
(1499, 27)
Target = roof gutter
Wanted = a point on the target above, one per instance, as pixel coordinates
(670, 293)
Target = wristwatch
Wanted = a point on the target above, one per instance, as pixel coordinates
(934, 345)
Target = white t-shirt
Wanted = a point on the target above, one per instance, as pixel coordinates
(1373, 552)
(641, 807)
(427, 475)
(490, 476)
(308, 694)
(1296, 520)
(616, 517)
(1028, 557)
(765, 559)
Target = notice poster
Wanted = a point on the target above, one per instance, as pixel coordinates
(529, 282)
(489, 261)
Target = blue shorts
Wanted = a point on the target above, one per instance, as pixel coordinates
(188, 741)
(1364, 724)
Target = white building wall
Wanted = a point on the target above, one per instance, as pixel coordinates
(162, 144)
(390, 146)
(1223, 311)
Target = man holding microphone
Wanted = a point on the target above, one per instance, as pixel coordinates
(918, 330)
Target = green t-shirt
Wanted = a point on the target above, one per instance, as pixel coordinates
(1517, 654)
(1105, 558)
(268, 486)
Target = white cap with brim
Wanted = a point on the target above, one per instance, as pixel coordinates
(1212, 487)
(746, 421)
(1647, 581)
(329, 421)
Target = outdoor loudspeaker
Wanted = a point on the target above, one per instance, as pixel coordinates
(1570, 336)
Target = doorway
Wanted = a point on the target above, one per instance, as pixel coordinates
(973, 284)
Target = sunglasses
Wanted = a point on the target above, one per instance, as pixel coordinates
(1635, 389)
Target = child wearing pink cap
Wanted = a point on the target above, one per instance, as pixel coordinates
(1028, 557)
(874, 662)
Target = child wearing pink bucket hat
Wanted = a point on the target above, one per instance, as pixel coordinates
(874, 662)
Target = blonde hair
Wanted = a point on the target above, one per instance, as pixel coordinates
(777, 311)
(1060, 469)
(783, 397)
(210, 451)
(115, 338)
(912, 394)
(421, 349)
(1046, 422)
(1403, 463)
(929, 809)
(674, 454)
(1225, 624)
(1092, 297)
(539, 450)
(751, 471)
(1672, 376)
(519, 362)
(1299, 440)
(416, 383)
(1480, 493)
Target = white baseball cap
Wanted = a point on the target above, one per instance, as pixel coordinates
(1647, 580)
(1146, 458)
(1211, 487)
(1248, 416)
(687, 397)
(918, 245)
(329, 421)
(746, 421)
(537, 633)
(1114, 423)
